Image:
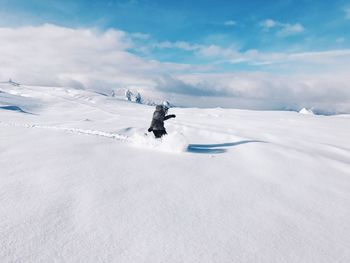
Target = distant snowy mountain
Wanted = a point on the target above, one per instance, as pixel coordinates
(306, 111)
(81, 180)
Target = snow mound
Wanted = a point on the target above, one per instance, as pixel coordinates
(174, 142)
(306, 111)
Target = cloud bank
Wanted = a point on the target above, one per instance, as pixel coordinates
(52, 55)
(89, 58)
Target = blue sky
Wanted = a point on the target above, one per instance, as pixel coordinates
(318, 25)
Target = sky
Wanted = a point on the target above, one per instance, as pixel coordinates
(246, 54)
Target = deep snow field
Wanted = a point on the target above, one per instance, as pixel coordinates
(80, 182)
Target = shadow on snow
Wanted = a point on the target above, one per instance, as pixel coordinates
(15, 108)
(215, 148)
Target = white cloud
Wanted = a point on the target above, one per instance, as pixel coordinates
(176, 45)
(328, 58)
(284, 29)
(268, 23)
(230, 23)
(53, 55)
(290, 29)
(254, 57)
(324, 92)
(216, 51)
(209, 51)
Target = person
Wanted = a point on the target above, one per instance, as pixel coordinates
(159, 116)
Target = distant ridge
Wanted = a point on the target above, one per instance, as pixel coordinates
(11, 82)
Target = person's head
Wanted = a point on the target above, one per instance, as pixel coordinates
(166, 104)
(162, 108)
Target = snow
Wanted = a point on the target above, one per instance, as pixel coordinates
(81, 182)
(175, 142)
(306, 111)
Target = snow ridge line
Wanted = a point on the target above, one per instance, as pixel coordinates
(117, 136)
(71, 99)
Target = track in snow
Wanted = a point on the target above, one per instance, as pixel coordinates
(70, 130)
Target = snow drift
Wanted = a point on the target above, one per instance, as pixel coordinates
(81, 182)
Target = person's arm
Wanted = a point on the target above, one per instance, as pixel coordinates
(151, 126)
(169, 116)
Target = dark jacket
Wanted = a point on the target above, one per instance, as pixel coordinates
(159, 116)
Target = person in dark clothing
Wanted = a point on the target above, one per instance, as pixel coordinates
(159, 116)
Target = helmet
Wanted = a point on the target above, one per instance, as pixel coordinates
(166, 105)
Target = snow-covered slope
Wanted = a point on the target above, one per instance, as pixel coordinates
(80, 182)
